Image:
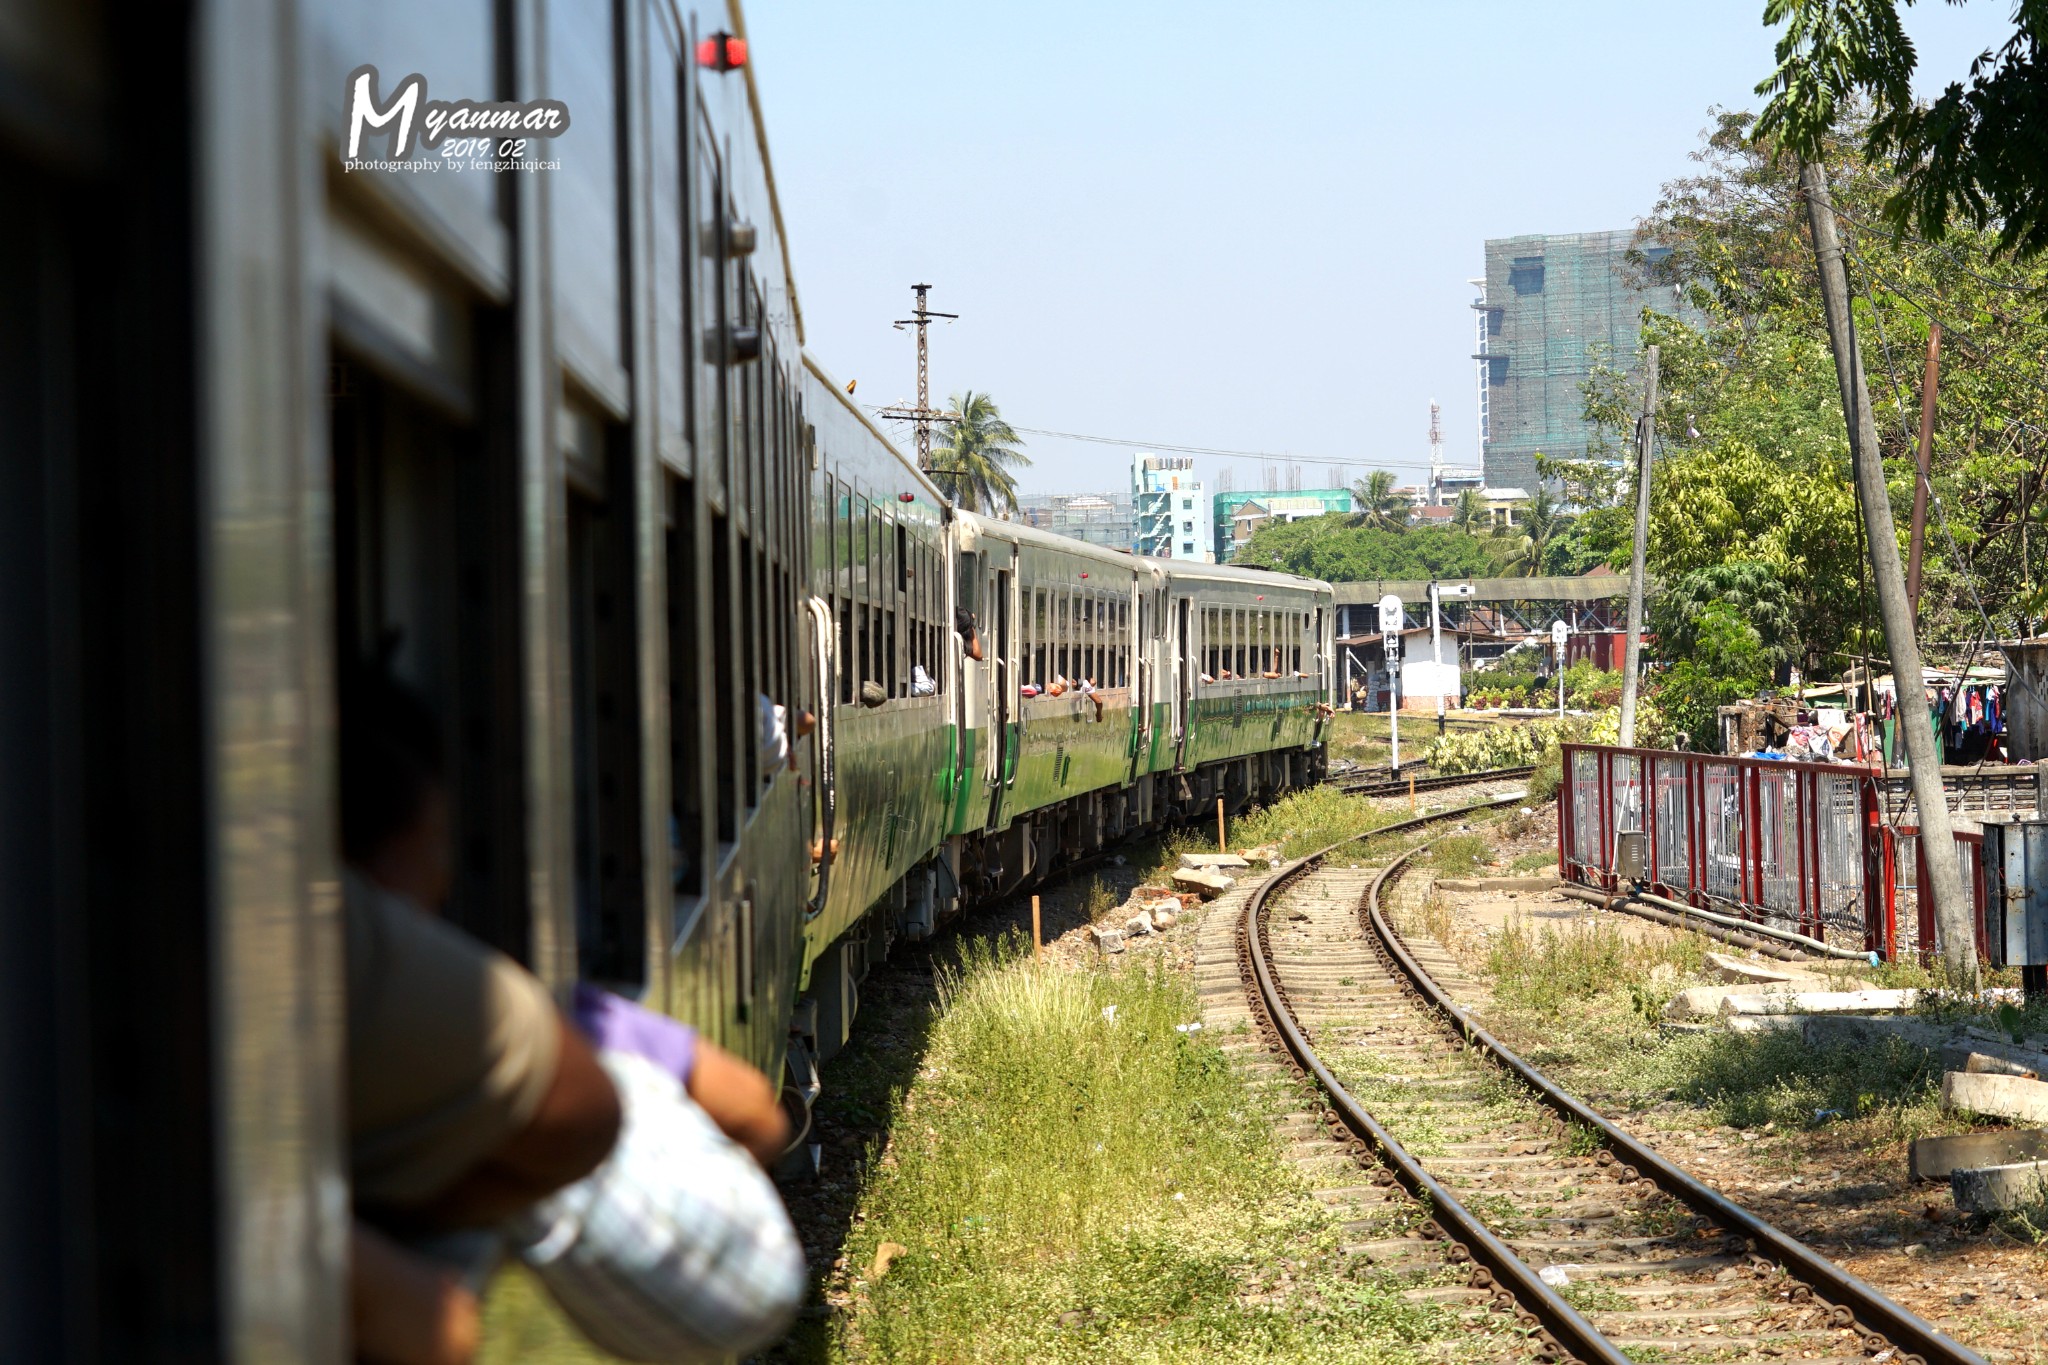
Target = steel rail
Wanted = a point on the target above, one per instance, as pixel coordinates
(1902, 1328)
(1380, 782)
(1563, 1324)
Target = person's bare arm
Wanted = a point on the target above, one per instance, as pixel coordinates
(740, 1100)
(568, 1135)
(406, 1309)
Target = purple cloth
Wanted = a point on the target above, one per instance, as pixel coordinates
(616, 1023)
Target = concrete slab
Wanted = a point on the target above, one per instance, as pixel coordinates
(1984, 1065)
(1699, 1002)
(1213, 860)
(1203, 882)
(1936, 1158)
(1819, 1002)
(1740, 972)
(1952, 1043)
(1764, 1023)
(2006, 1097)
(1991, 1189)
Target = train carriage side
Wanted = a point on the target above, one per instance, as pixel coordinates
(1063, 696)
(532, 442)
(886, 744)
(1255, 652)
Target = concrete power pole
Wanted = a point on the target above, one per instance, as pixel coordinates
(923, 414)
(1952, 916)
(1633, 658)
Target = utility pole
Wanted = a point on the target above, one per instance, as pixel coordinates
(1952, 914)
(923, 414)
(1925, 455)
(1633, 658)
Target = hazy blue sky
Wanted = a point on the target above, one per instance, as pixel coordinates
(1224, 225)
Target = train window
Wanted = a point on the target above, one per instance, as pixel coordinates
(1123, 646)
(725, 688)
(604, 710)
(425, 563)
(747, 645)
(1041, 635)
(1084, 634)
(1240, 639)
(847, 663)
(686, 684)
(864, 623)
(890, 595)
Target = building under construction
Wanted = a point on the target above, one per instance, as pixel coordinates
(1551, 308)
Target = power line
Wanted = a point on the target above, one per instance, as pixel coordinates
(1275, 457)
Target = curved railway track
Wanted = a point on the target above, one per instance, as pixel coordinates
(1602, 1250)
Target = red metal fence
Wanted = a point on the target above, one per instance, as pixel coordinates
(1798, 846)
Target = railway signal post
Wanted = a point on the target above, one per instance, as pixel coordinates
(1390, 633)
(1559, 631)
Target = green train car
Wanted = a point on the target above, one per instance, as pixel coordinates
(732, 696)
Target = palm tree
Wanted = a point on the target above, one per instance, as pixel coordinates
(1540, 524)
(1374, 503)
(1470, 512)
(974, 468)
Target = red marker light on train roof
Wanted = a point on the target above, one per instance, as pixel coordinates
(722, 52)
(1084, 575)
(906, 497)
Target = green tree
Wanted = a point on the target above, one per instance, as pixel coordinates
(1752, 458)
(973, 468)
(1751, 588)
(1728, 664)
(1527, 540)
(1376, 504)
(1976, 155)
(1328, 547)
(1469, 513)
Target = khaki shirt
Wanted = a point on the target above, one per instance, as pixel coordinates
(451, 1048)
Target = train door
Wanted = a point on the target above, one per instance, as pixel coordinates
(1005, 679)
(1183, 646)
(1142, 684)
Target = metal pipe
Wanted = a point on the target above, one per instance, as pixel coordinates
(1680, 910)
(1627, 905)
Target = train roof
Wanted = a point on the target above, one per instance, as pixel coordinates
(739, 25)
(1025, 534)
(836, 392)
(1231, 573)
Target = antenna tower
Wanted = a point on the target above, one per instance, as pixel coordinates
(1436, 453)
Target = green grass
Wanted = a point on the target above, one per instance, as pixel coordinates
(1460, 855)
(1304, 821)
(1075, 1188)
(523, 1327)
(1546, 971)
(1533, 862)
(1581, 1003)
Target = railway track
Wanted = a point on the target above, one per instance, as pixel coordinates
(1384, 782)
(1484, 1171)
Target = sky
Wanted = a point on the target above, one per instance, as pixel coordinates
(1169, 223)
